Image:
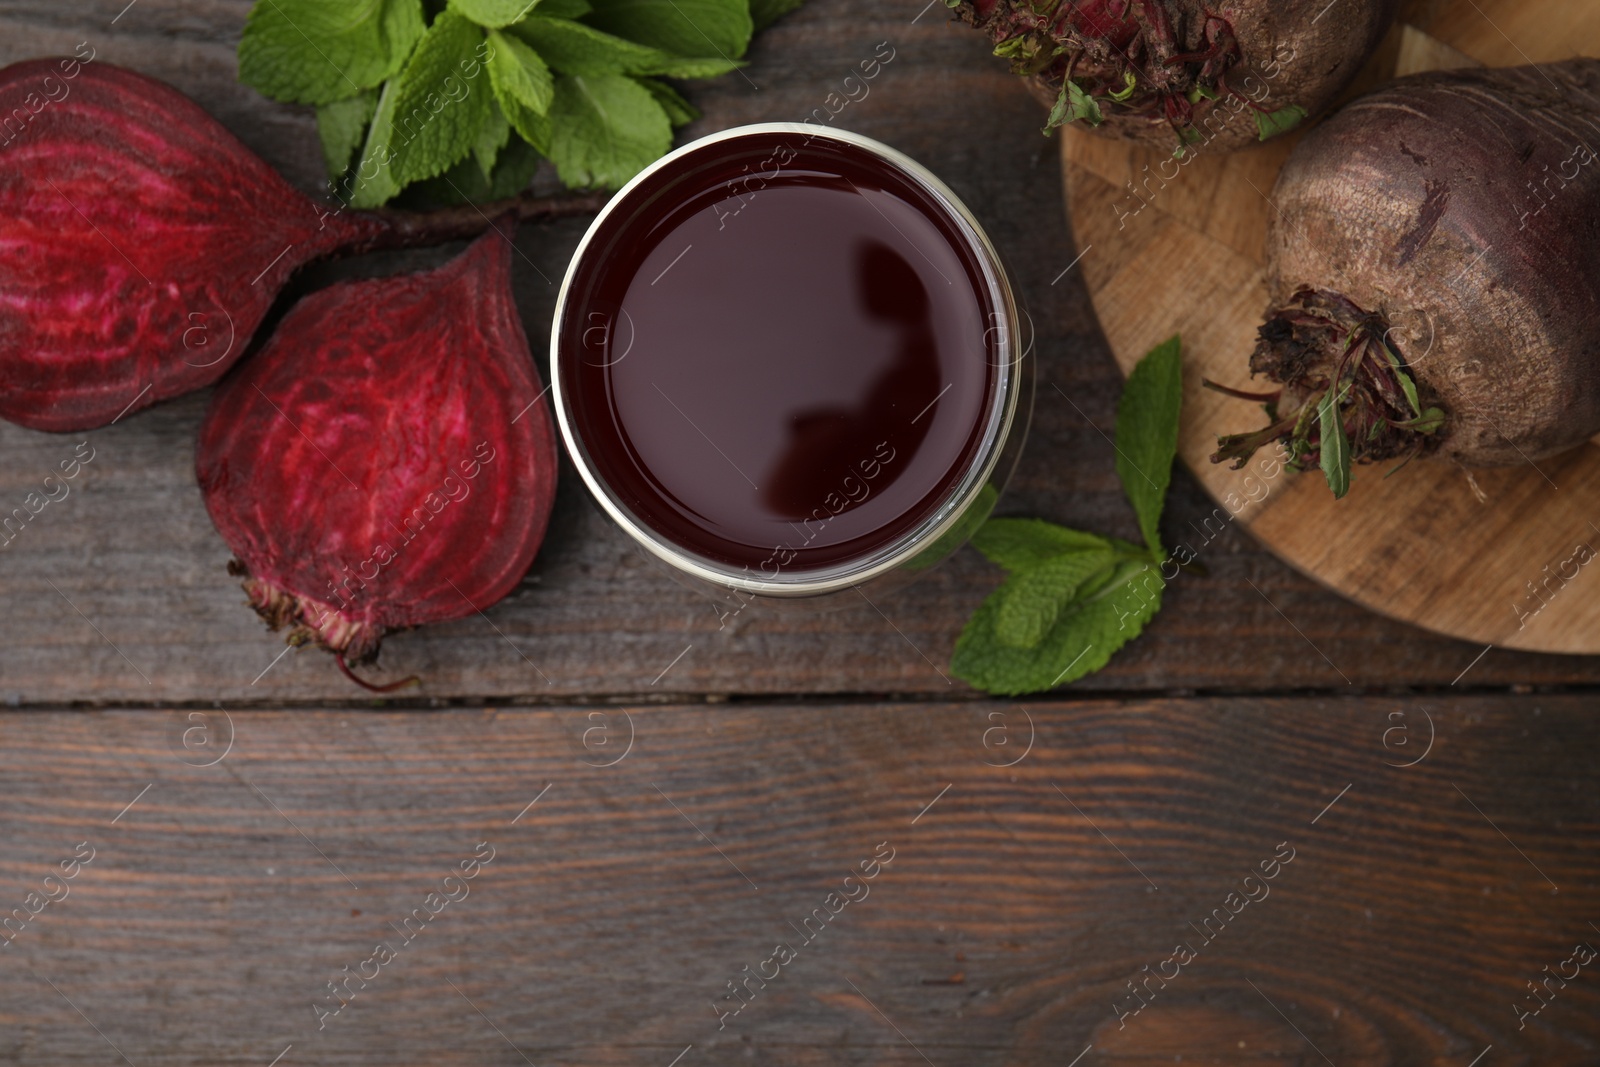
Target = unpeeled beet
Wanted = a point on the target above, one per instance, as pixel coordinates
(385, 460)
(140, 243)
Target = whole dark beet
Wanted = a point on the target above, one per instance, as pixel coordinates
(385, 460)
(1175, 73)
(143, 243)
(1442, 232)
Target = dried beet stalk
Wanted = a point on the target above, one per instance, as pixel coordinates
(385, 460)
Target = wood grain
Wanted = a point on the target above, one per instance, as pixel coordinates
(1019, 902)
(118, 595)
(1422, 547)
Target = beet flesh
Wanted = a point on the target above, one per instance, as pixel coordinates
(1166, 73)
(142, 242)
(385, 460)
(1455, 217)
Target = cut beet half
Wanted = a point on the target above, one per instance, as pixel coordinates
(140, 243)
(385, 461)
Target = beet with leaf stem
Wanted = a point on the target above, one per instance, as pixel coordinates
(1172, 74)
(143, 243)
(385, 461)
(1434, 267)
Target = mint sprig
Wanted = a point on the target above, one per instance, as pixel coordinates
(465, 97)
(1071, 599)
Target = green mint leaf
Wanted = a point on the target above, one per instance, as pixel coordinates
(1147, 434)
(1034, 598)
(719, 28)
(492, 137)
(1335, 446)
(564, 9)
(372, 184)
(1270, 124)
(513, 170)
(1085, 635)
(675, 67)
(573, 48)
(313, 52)
(764, 13)
(465, 182)
(493, 14)
(518, 73)
(601, 130)
(679, 111)
(341, 126)
(528, 123)
(1021, 544)
(441, 100)
(1200, 92)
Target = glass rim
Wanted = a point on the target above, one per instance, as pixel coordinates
(853, 572)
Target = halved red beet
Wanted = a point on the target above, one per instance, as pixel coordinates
(385, 460)
(140, 243)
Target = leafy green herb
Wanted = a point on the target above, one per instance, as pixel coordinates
(1147, 434)
(492, 137)
(437, 115)
(520, 74)
(357, 44)
(1129, 83)
(341, 125)
(718, 29)
(457, 95)
(1029, 609)
(1072, 598)
(1272, 123)
(493, 14)
(679, 110)
(602, 130)
(1017, 544)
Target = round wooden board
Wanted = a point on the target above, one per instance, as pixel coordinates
(1419, 546)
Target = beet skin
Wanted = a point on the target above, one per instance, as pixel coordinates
(142, 243)
(1454, 219)
(1185, 73)
(385, 461)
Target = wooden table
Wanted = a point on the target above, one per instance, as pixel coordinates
(665, 802)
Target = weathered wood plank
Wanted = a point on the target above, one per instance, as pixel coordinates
(1019, 902)
(132, 551)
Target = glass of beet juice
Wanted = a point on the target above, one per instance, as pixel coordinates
(788, 362)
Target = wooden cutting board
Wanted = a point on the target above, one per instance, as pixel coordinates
(1188, 258)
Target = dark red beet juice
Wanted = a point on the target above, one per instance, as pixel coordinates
(777, 353)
